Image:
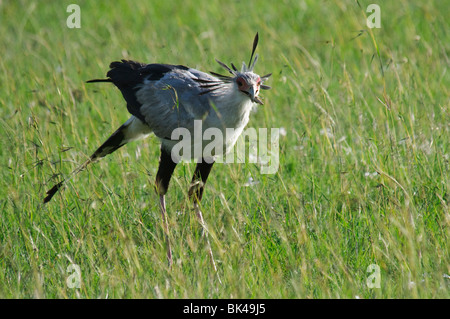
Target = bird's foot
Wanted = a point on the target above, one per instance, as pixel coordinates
(195, 190)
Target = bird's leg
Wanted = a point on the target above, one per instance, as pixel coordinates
(162, 203)
(198, 212)
(165, 171)
(201, 173)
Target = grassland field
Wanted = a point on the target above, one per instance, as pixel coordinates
(359, 207)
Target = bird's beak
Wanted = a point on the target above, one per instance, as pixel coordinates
(253, 97)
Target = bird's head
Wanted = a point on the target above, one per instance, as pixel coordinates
(249, 83)
(246, 81)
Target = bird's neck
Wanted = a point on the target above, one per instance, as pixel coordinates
(232, 107)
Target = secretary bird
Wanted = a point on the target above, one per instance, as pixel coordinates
(162, 98)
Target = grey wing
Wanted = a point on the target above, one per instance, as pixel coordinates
(163, 96)
(175, 100)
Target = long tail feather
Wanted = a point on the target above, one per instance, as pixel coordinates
(50, 193)
(115, 141)
(99, 80)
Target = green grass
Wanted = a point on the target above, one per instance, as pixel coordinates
(364, 165)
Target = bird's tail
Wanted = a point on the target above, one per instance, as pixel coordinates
(130, 130)
(51, 192)
(99, 80)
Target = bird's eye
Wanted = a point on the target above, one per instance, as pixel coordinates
(240, 82)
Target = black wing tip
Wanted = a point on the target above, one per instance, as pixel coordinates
(134, 65)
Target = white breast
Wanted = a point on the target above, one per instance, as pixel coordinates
(230, 117)
(220, 129)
